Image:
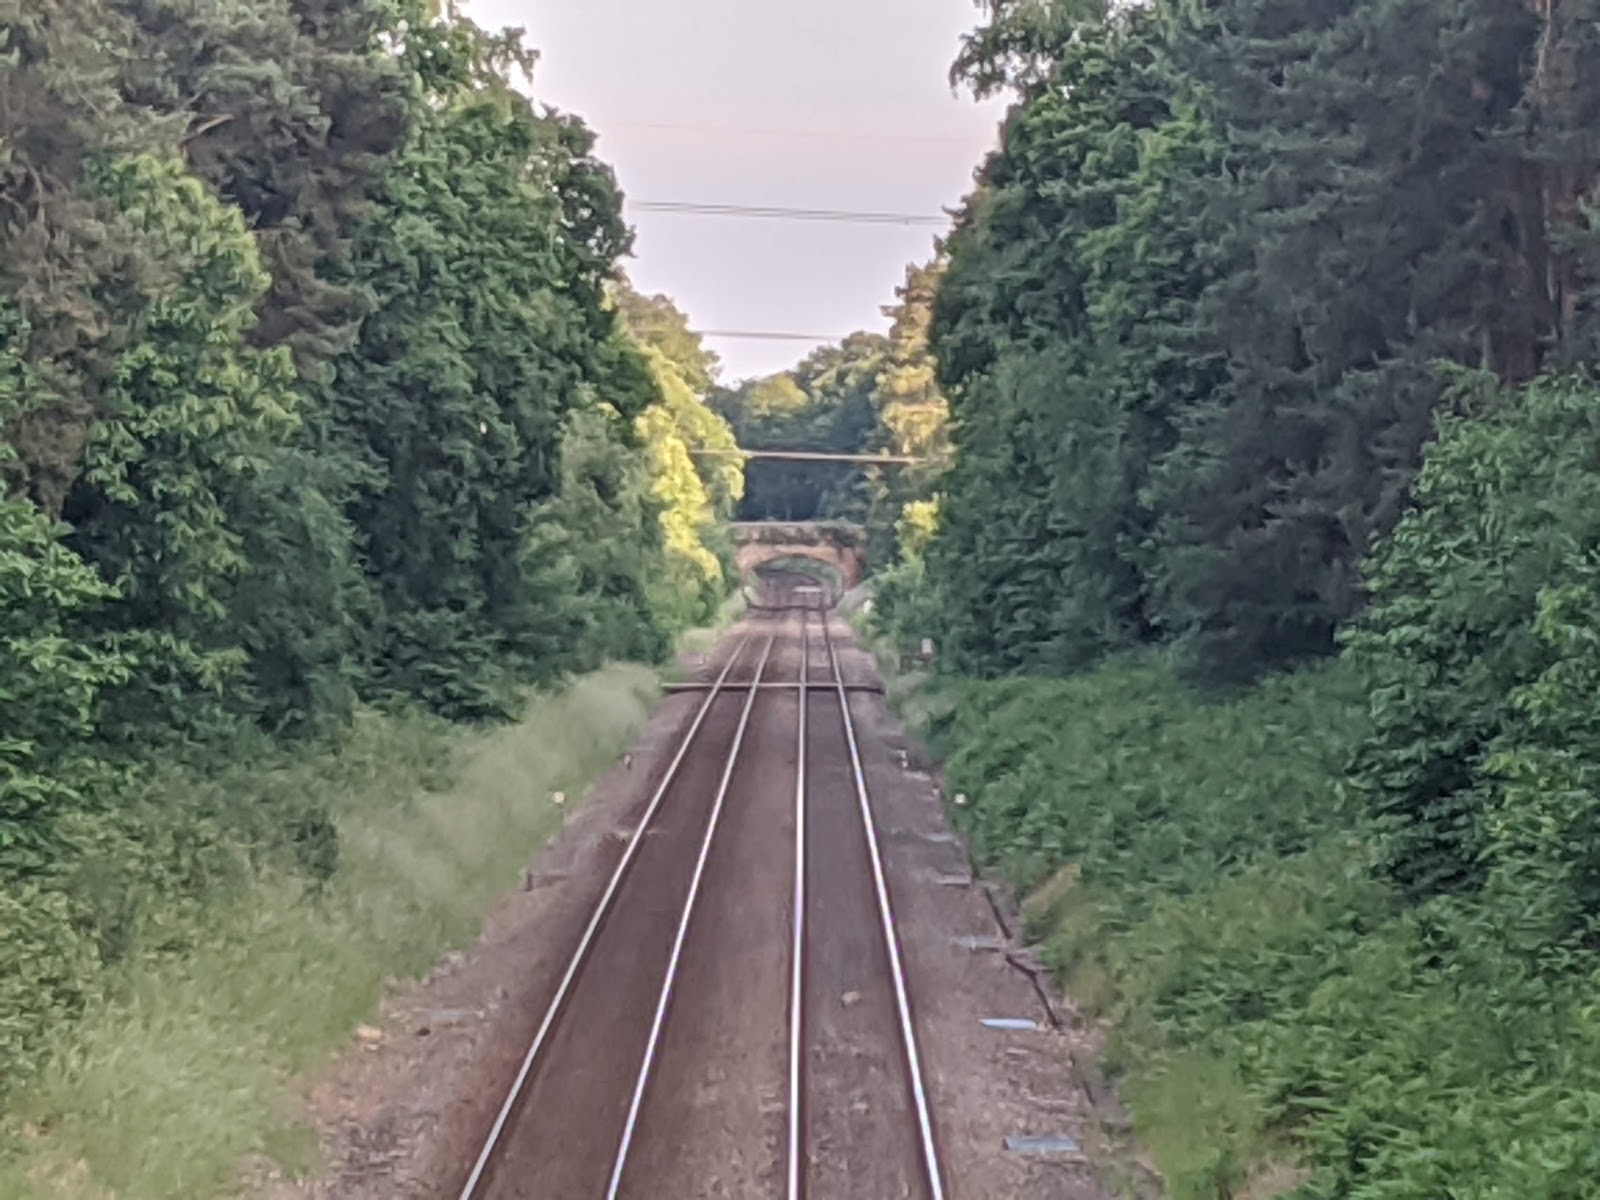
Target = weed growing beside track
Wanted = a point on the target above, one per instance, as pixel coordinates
(185, 1070)
(700, 640)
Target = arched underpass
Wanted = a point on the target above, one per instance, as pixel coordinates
(836, 545)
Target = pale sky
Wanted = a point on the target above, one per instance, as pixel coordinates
(836, 104)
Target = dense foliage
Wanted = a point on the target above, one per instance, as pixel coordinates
(699, 476)
(1480, 649)
(824, 404)
(319, 387)
(1346, 922)
(1286, 1024)
(1268, 337)
(872, 394)
(1193, 310)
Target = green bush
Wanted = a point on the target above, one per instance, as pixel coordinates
(1285, 1020)
(1125, 775)
(1482, 655)
(249, 969)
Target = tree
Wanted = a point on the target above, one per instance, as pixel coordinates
(1191, 319)
(658, 323)
(194, 417)
(912, 413)
(693, 580)
(494, 241)
(1368, 210)
(825, 404)
(1020, 42)
(312, 393)
(1477, 645)
(695, 495)
(51, 679)
(292, 108)
(1057, 329)
(591, 555)
(685, 372)
(60, 109)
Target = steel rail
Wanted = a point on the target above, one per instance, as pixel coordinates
(908, 1033)
(491, 1144)
(797, 963)
(664, 1000)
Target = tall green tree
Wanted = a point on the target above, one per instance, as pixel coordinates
(61, 110)
(194, 417)
(912, 414)
(311, 394)
(592, 557)
(694, 579)
(290, 110)
(1369, 233)
(825, 404)
(686, 373)
(657, 322)
(1060, 334)
(51, 677)
(1019, 42)
(496, 235)
(1190, 326)
(1475, 641)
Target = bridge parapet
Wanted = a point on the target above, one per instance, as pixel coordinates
(838, 544)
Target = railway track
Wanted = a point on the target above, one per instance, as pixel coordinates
(735, 1019)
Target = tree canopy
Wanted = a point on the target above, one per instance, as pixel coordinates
(320, 387)
(1191, 317)
(1268, 338)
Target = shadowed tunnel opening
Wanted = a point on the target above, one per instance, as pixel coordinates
(777, 582)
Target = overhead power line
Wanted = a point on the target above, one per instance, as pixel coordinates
(778, 213)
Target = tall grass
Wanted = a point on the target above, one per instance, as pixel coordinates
(1176, 851)
(187, 1071)
(1282, 1022)
(701, 639)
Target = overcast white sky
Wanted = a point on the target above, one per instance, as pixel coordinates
(737, 81)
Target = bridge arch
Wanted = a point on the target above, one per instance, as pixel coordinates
(836, 544)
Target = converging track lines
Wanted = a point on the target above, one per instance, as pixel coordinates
(491, 1144)
(696, 1042)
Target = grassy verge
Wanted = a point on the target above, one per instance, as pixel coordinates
(1280, 1022)
(1177, 856)
(185, 1072)
(700, 640)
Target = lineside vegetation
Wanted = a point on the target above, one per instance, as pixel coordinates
(1265, 573)
(330, 432)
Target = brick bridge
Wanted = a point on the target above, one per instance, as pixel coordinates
(836, 544)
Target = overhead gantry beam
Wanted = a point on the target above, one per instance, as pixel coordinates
(881, 460)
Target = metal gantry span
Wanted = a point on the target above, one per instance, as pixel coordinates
(560, 1011)
(867, 460)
